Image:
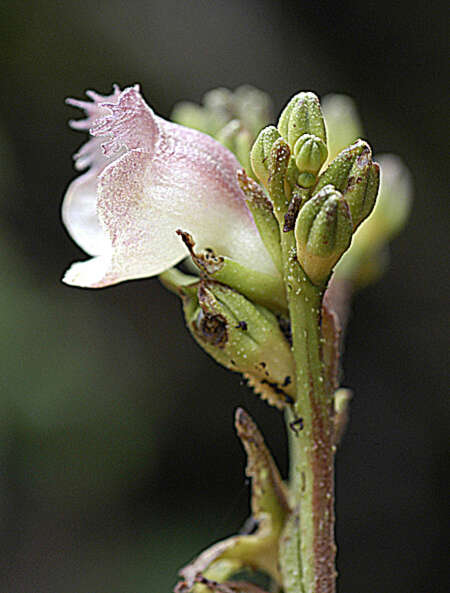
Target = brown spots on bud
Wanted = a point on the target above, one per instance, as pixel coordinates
(211, 328)
(253, 191)
(291, 215)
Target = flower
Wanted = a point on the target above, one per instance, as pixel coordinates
(148, 177)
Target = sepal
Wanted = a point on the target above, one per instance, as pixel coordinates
(261, 288)
(262, 211)
(323, 232)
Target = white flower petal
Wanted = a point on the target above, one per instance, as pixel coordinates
(166, 177)
(92, 273)
(79, 214)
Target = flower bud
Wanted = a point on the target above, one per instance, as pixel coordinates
(368, 256)
(393, 203)
(253, 108)
(310, 153)
(323, 232)
(337, 172)
(193, 116)
(342, 122)
(302, 115)
(241, 336)
(260, 153)
(362, 187)
(250, 106)
(354, 174)
(237, 139)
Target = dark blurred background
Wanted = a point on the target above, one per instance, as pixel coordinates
(118, 457)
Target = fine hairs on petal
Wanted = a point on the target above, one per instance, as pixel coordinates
(93, 108)
(91, 154)
(131, 123)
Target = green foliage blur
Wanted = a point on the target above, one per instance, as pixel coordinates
(118, 461)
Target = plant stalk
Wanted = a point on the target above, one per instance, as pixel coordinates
(312, 450)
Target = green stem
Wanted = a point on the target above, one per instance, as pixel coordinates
(312, 451)
(307, 548)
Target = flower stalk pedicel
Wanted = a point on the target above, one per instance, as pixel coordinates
(265, 300)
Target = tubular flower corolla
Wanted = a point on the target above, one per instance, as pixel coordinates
(146, 178)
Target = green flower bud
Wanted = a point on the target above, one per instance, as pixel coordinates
(362, 187)
(253, 108)
(338, 171)
(220, 103)
(368, 255)
(241, 336)
(310, 153)
(278, 183)
(393, 204)
(250, 106)
(323, 232)
(193, 116)
(342, 122)
(260, 153)
(302, 115)
(237, 139)
(354, 174)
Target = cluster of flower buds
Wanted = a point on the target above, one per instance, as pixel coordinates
(234, 118)
(327, 204)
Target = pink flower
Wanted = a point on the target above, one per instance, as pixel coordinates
(147, 178)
